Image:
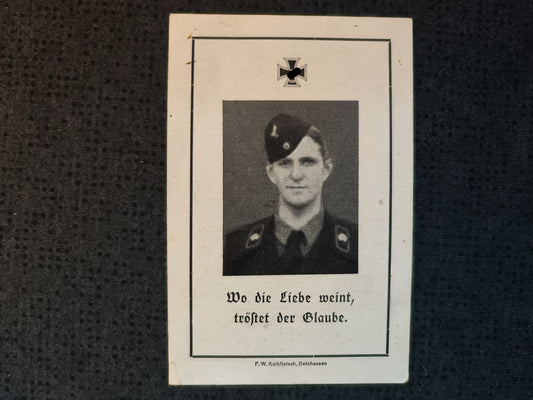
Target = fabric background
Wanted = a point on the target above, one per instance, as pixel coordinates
(82, 199)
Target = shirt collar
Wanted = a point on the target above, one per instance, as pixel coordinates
(311, 229)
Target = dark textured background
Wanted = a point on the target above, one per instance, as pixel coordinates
(82, 199)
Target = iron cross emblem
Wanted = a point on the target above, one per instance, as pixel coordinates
(291, 71)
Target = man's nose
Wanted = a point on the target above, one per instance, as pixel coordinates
(296, 172)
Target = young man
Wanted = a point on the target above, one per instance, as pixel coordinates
(301, 237)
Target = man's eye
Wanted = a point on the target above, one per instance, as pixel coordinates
(284, 163)
(308, 161)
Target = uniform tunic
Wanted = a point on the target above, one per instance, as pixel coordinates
(254, 250)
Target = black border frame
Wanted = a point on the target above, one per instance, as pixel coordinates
(386, 354)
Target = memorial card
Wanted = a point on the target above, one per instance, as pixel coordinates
(289, 199)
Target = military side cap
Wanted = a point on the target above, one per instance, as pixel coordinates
(283, 134)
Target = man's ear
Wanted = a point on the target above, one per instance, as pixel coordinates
(269, 170)
(328, 168)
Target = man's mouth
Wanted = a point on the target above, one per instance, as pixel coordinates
(296, 187)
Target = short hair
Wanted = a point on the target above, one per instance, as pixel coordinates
(315, 134)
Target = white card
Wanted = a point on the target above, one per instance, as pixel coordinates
(243, 309)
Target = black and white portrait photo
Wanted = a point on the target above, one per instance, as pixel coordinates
(290, 187)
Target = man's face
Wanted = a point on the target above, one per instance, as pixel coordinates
(300, 176)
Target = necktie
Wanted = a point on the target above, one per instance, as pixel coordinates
(292, 255)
